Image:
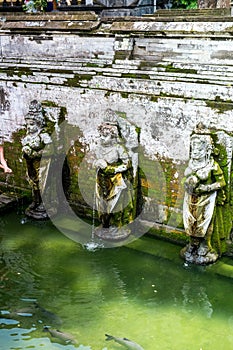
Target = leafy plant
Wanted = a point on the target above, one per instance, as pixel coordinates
(33, 6)
(184, 4)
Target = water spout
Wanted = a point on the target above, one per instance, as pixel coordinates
(94, 243)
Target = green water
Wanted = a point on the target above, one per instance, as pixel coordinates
(159, 303)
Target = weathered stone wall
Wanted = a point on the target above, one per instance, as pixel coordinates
(162, 76)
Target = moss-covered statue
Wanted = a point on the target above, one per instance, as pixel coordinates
(204, 193)
(115, 200)
(33, 144)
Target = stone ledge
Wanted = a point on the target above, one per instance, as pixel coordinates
(49, 16)
(9, 201)
(80, 21)
(53, 25)
(217, 12)
(173, 28)
(147, 25)
(170, 251)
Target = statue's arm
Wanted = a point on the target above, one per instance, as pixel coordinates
(46, 146)
(123, 156)
(217, 184)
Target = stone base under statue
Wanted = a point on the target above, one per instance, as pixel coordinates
(37, 212)
(112, 233)
(200, 255)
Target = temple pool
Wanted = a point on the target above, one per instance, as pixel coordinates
(47, 279)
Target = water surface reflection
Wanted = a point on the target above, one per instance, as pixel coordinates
(49, 280)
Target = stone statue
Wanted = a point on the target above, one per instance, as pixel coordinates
(33, 144)
(114, 182)
(3, 163)
(203, 183)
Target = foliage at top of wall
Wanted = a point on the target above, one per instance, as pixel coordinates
(184, 4)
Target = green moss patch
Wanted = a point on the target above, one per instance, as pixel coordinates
(220, 106)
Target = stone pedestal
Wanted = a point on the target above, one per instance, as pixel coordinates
(112, 233)
(200, 255)
(38, 213)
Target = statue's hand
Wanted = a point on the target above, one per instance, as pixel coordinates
(202, 189)
(191, 184)
(101, 163)
(189, 188)
(120, 168)
(36, 154)
(27, 150)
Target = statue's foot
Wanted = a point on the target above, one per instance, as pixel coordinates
(40, 208)
(37, 212)
(191, 248)
(200, 255)
(36, 206)
(33, 205)
(203, 250)
(209, 258)
(186, 254)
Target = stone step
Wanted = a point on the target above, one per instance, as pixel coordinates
(220, 12)
(9, 201)
(179, 69)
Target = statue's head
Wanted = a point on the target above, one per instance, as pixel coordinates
(110, 117)
(201, 146)
(201, 142)
(108, 133)
(35, 114)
